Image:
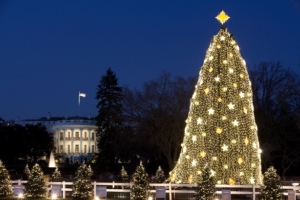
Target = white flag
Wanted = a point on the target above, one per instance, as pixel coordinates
(82, 94)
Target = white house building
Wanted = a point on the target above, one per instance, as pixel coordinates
(74, 137)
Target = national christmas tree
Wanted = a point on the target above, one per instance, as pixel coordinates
(159, 175)
(83, 188)
(56, 176)
(220, 131)
(205, 186)
(271, 185)
(140, 184)
(36, 186)
(5, 184)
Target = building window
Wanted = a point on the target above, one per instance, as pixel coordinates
(93, 149)
(84, 148)
(61, 147)
(77, 149)
(61, 135)
(77, 135)
(69, 149)
(93, 136)
(69, 135)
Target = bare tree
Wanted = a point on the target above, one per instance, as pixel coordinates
(276, 96)
(158, 112)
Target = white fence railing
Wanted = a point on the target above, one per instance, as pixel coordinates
(169, 190)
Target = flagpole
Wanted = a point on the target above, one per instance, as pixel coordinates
(78, 102)
(80, 95)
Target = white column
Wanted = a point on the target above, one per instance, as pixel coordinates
(72, 138)
(89, 141)
(56, 136)
(58, 139)
(95, 142)
(64, 135)
(80, 148)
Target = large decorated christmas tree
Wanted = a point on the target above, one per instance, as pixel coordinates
(220, 131)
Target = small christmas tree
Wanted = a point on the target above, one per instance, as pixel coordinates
(206, 186)
(271, 185)
(27, 172)
(35, 186)
(82, 188)
(5, 184)
(56, 175)
(124, 175)
(159, 175)
(139, 190)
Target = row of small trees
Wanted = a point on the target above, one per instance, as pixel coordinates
(83, 189)
(205, 189)
(269, 190)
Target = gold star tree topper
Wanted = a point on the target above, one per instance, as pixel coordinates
(222, 17)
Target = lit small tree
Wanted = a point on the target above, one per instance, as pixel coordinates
(36, 186)
(5, 184)
(56, 175)
(27, 171)
(124, 175)
(82, 188)
(159, 175)
(139, 190)
(271, 185)
(205, 186)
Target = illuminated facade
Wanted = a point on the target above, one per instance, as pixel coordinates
(74, 137)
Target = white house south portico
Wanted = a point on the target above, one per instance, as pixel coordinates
(75, 138)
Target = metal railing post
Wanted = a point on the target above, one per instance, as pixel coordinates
(253, 191)
(95, 189)
(170, 191)
(64, 191)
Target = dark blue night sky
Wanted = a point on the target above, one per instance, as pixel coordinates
(51, 50)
